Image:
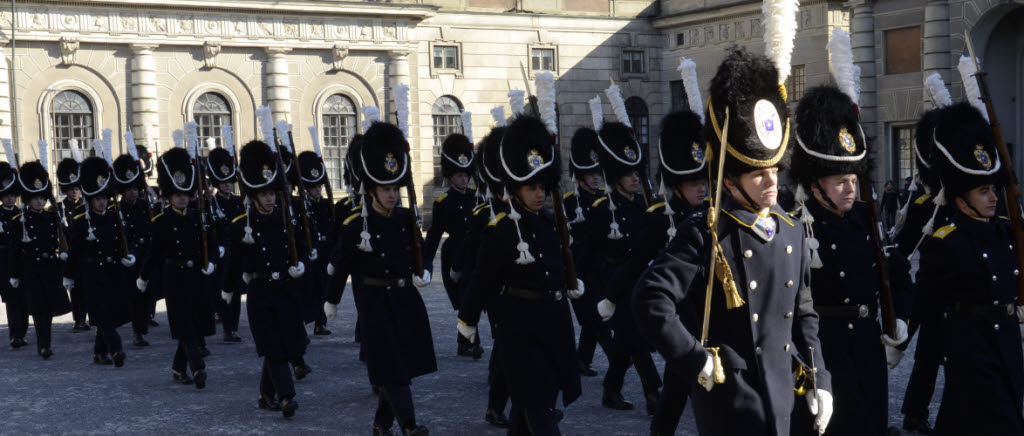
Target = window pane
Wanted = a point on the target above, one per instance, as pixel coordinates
(640, 119)
(444, 125)
(903, 152)
(451, 57)
(438, 57)
(795, 83)
(337, 133)
(211, 112)
(71, 118)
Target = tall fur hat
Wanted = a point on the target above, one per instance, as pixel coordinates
(681, 147)
(96, 180)
(489, 162)
(618, 151)
(583, 157)
(220, 166)
(351, 155)
(8, 180)
(829, 137)
(965, 153)
(33, 181)
(175, 173)
(311, 169)
(67, 174)
(146, 159)
(527, 154)
(127, 172)
(383, 157)
(924, 147)
(456, 155)
(759, 123)
(258, 169)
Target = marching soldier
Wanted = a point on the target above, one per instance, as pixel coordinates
(520, 275)
(14, 299)
(759, 323)
(585, 168)
(221, 170)
(68, 181)
(683, 172)
(970, 271)
(615, 224)
(152, 196)
(344, 208)
(96, 258)
(830, 159)
(376, 241)
(261, 248)
(36, 255)
(135, 210)
(176, 260)
(313, 175)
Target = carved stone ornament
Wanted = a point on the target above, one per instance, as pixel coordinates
(340, 52)
(210, 52)
(68, 49)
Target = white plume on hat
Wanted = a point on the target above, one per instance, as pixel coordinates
(618, 105)
(498, 114)
(402, 108)
(370, 115)
(688, 72)
(467, 124)
(516, 98)
(971, 88)
(596, 112)
(546, 101)
(937, 88)
(779, 18)
(841, 63)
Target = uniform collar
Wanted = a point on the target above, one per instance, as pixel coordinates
(976, 228)
(746, 217)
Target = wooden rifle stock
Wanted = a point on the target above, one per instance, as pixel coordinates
(304, 212)
(62, 239)
(125, 252)
(414, 228)
(867, 194)
(286, 203)
(561, 224)
(201, 200)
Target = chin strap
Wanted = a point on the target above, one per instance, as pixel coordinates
(807, 220)
(525, 258)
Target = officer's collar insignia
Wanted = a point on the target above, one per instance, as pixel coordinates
(100, 180)
(390, 163)
(982, 156)
(224, 170)
(765, 227)
(698, 154)
(463, 160)
(179, 178)
(593, 156)
(534, 159)
(846, 140)
(629, 153)
(768, 124)
(314, 172)
(38, 184)
(267, 173)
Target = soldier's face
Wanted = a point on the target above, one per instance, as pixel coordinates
(532, 196)
(75, 193)
(225, 187)
(983, 199)
(130, 194)
(592, 181)
(37, 203)
(314, 192)
(386, 197)
(179, 201)
(459, 181)
(630, 182)
(267, 200)
(98, 203)
(694, 191)
(9, 200)
(841, 189)
(761, 185)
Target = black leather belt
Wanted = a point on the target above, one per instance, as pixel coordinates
(387, 283)
(848, 311)
(531, 294)
(108, 260)
(181, 263)
(992, 312)
(267, 275)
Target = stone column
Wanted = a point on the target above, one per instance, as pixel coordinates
(862, 35)
(6, 118)
(278, 94)
(145, 109)
(398, 73)
(936, 41)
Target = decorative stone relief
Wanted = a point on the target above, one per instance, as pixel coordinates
(339, 52)
(316, 30)
(186, 24)
(129, 23)
(210, 52)
(158, 24)
(291, 29)
(365, 32)
(264, 28)
(100, 24)
(69, 21)
(68, 49)
(38, 21)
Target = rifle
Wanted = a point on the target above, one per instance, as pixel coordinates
(414, 226)
(327, 178)
(197, 167)
(302, 196)
(120, 227)
(62, 239)
(1011, 189)
(286, 202)
(885, 291)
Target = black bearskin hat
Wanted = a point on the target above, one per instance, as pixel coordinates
(456, 155)
(583, 157)
(67, 174)
(8, 180)
(829, 137)
(383, 158)
(288, 158)
(681, 147)
(966, 155)
(618, 151)
(759, 127)
(175, 173)
(488, 161)
(258, 169)
(220, 166)
(351, 155)
(924, 146)
(311, 169)
(146, 159)
(527, 155)
(128, 173)
(34, 181)
(96, 180)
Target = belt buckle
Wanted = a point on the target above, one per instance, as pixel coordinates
(862, 311)
(401, 283)
(275, 275)
(190, 264)
(108, 259)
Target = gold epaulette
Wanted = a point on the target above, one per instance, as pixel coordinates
(17, 216)
(350, 219)
(599, 201)
(480, 207)
(923, 198)
(78, 216)
(239, 217)
(494, 221)
(944, 231)
(567, 195)
(441, 198)
(656, 207)
(157, 216)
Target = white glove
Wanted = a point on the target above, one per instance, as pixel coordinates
(226, 296)
(606, 309)
(705, 377)
(313, 255)
(467, 331)
(421, 281)
(455, 275)
(141, 284)
(820, 403)
(331, 310)
(68, 283)
(578, 292)
(209, 269)
(893, 356)
(15, 283)
(297, 270)
(330, 269)
(246, 278)
(901, 334)
(1020, 314)
(128, 261)
(62, 256)
(221, 251)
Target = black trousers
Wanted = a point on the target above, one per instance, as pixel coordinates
(43, 324)
(534, 421)
(108, 341)
(590, 335)
(17, 320)
(188, 353)
(921, 385)
(79, 308)
(395, 402)
(497, 392)
(671, 403)
(229, 313)
(140, 313)
(276, 379)
(625, 354)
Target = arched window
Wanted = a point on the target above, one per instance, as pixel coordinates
(641, 121)
(447, 120)
(211, 111)
(72, 119)
(339, 126)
